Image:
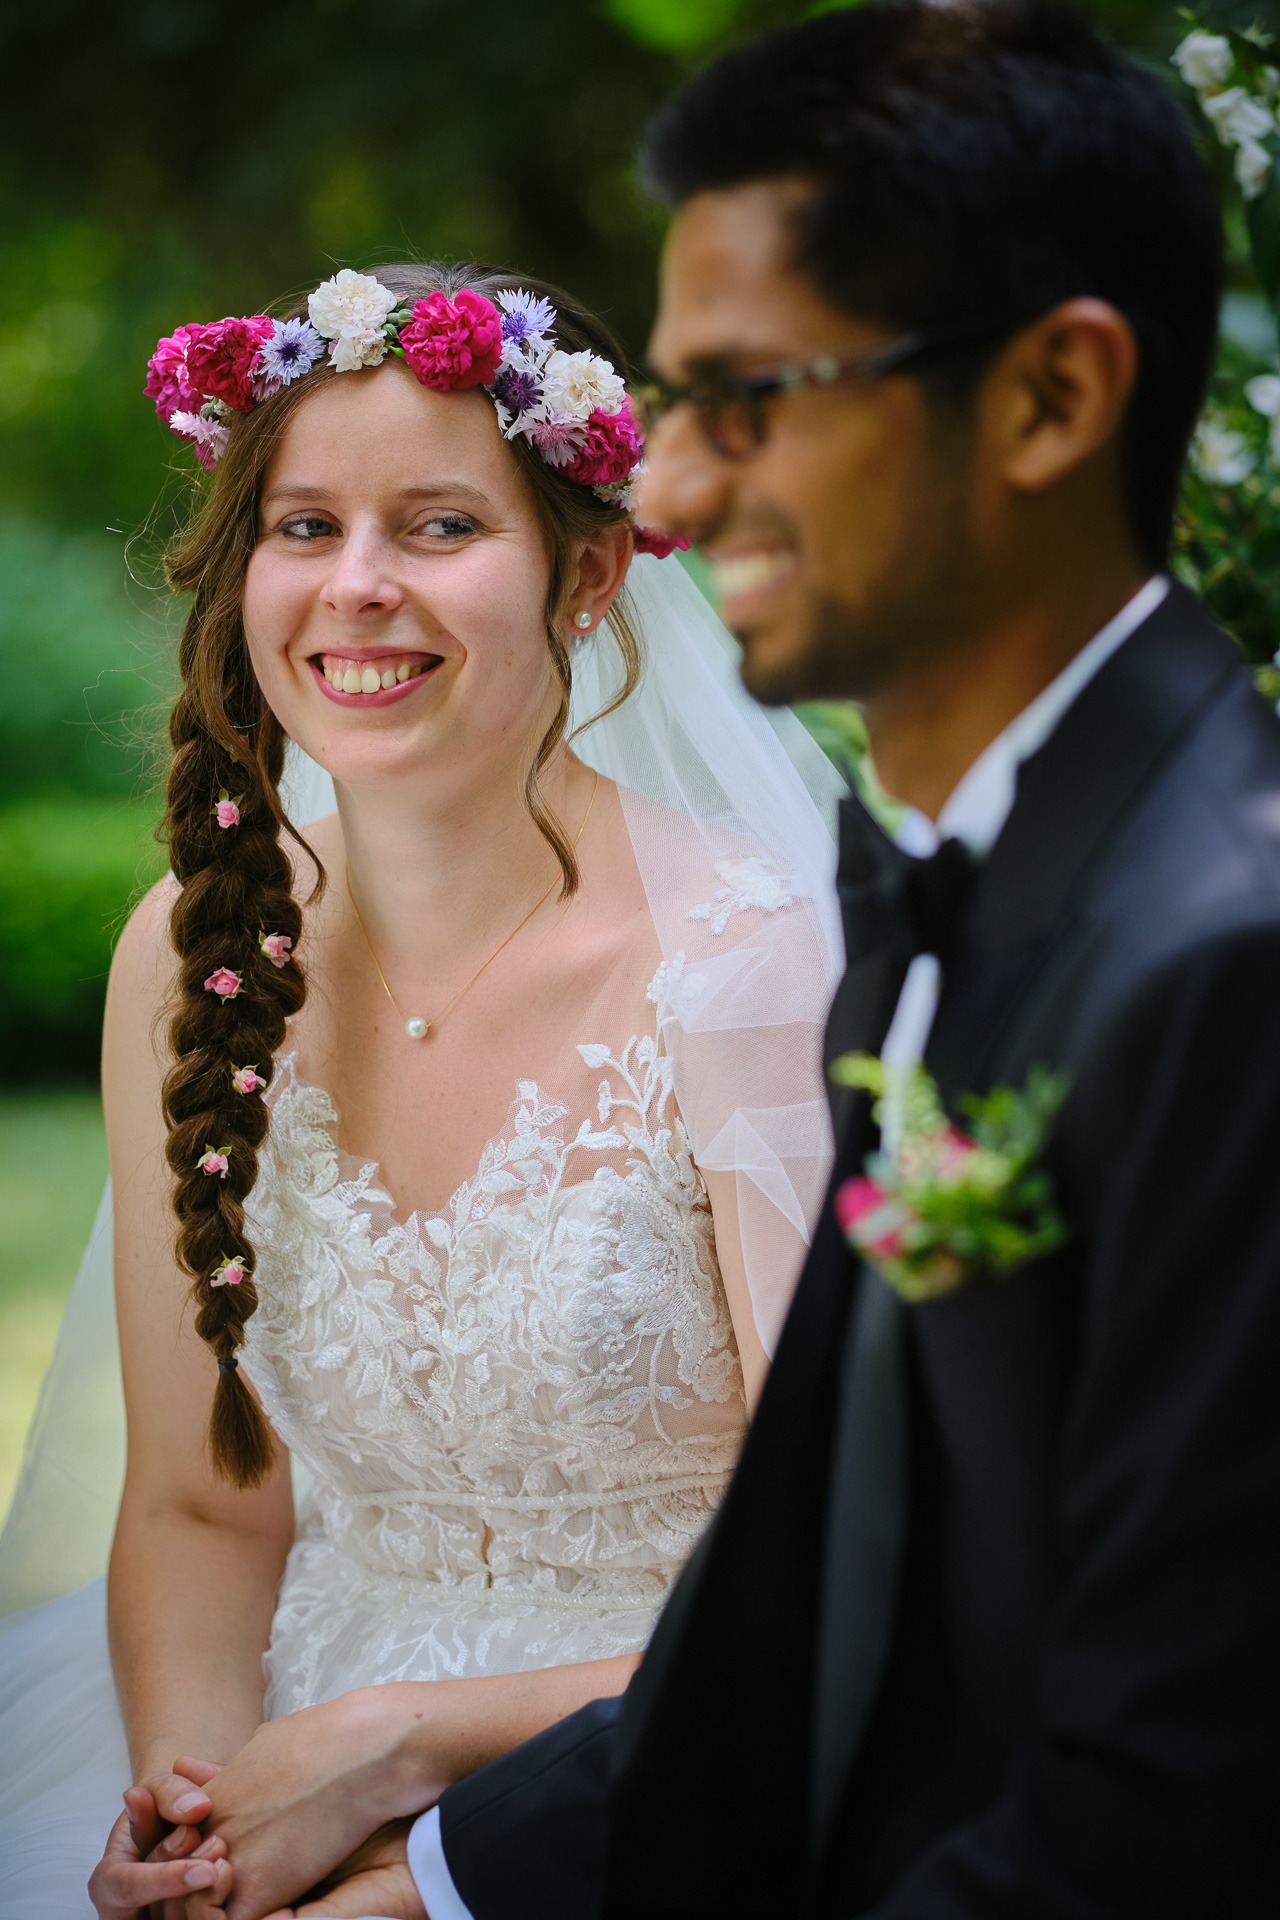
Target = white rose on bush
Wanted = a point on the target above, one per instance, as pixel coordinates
(1220, 455)
(1238, 116)
(1204, 60)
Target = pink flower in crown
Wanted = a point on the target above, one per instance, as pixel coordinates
(277, 948)
(207, 433)
(247, 1080)
(230, 1273)
(611, 447)
(224, 983)
(214, 1160)
(453, 344)
(167, 381)
(870, 1217)
(222, 362)
(226, 812)
(558, 440)
(651, 540)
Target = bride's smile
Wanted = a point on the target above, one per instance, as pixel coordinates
(393, 606)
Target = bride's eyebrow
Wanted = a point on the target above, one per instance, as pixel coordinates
(453, 491)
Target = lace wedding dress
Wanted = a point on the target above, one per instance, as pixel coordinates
(513, 1418)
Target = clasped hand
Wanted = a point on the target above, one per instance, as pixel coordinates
(317, 1806)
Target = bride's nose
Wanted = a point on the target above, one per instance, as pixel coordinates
(362, 579)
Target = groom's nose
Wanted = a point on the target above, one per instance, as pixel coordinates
(686, 487)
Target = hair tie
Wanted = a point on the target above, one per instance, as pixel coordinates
(228, 1366)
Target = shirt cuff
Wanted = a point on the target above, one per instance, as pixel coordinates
(431, 1873)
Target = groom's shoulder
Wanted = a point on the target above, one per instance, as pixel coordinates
(1203, 839)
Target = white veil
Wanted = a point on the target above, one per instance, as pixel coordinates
(749, 971)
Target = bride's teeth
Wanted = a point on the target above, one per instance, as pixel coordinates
(370, 680)
(389, 677)
(402, 671)
(351, 681)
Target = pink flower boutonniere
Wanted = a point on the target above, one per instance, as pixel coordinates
(277, 948)
(936, 1206)
(224, 983)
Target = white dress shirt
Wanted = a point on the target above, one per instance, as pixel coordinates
(975, 814)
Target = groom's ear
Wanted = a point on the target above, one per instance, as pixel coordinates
(1058, 393)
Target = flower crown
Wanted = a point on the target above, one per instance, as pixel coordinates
(572, 407)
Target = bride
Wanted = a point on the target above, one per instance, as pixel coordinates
(462, 1143)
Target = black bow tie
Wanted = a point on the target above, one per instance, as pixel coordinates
(890, 899)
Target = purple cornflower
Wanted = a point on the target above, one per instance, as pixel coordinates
(292, 350)
(557, 441)
(526, 319)
(517, 389)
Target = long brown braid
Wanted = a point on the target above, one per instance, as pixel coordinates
(236, 883)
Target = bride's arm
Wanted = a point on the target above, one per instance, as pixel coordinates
(196, 1561)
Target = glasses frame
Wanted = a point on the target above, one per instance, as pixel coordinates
(711, 396)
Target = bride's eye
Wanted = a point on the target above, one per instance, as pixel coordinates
(447, 526)
(306, 527)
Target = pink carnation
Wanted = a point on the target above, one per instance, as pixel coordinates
(222, 359)
(224, 983)
(276, 947)
(167, 381)
(228, 813)
(247, 1080)
(652, 540)
(611, 447)
(870, 1218)
(452, 344)
(214, 1160)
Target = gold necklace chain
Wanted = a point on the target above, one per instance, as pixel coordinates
(416, 1027)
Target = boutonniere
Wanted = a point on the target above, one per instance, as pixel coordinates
(937, 1206)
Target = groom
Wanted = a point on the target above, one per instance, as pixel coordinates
(989, 1622)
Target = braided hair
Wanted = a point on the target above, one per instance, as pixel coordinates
(236, 924)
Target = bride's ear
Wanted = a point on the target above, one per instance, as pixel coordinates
(596, 576)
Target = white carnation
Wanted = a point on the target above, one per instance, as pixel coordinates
(1203, 60)
(574, 385)
(1263, 394)
(1220, 455)
(351, 351)
(352, 310)
(1253, 168)
(1238, 116)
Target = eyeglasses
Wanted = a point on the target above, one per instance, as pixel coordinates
(732, 411)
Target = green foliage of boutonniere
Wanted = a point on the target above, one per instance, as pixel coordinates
(941, 1206)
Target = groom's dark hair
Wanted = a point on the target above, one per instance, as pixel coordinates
(978, 162)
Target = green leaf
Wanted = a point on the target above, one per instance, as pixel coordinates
(676, 26)
(1263, 219)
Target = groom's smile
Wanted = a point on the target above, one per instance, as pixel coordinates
(822, 525)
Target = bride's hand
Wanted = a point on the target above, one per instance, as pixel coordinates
(309, 1789)
(376, 1879)
(125, 1884)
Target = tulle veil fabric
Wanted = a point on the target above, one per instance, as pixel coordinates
(755, 802)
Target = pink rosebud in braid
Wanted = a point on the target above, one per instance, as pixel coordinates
(224, 983)
(230, 1273)
(214, 1160)
(247, 1080)
(276, 947)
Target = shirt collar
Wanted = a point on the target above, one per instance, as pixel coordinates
(982, 801)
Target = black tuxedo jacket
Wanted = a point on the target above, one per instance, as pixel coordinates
(989, 1621)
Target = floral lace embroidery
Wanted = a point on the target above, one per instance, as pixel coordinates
(526, 1407)
(750, 882)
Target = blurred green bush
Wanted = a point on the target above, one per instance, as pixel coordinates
(70, 868)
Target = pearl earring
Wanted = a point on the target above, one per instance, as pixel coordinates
(582, 620)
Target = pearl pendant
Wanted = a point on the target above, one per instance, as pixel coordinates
(417, 1029)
